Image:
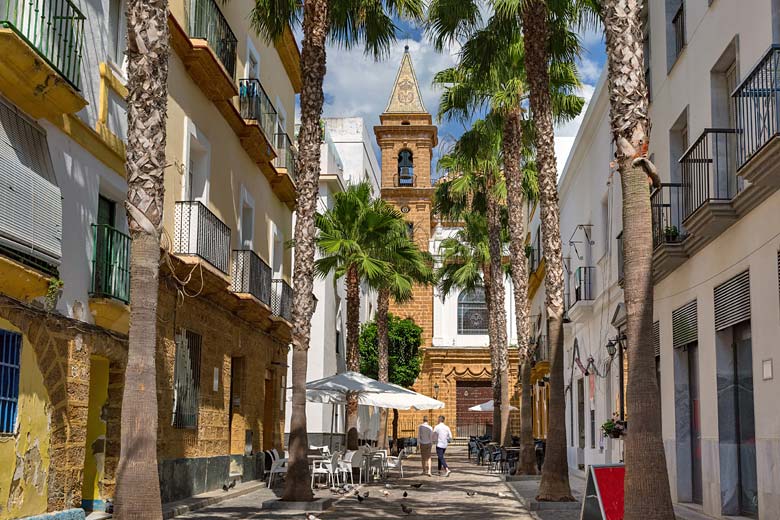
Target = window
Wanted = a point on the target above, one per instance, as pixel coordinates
(410, 230)
(197, 158)
(592, 428)
(186, 384)
(581, 412)
(10, 360)
(472, 312)
(679, 29)
(118, 28)
(675, 31)
(247, 224)
(405, 168)
(252, 67)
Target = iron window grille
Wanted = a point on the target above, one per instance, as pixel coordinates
(186, 389)
(10, 362)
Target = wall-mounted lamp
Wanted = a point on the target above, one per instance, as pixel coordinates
(435, 390)
(613, 344)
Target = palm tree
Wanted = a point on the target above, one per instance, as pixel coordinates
(407, 266)
(353, 242)
(491, 75)
(647, 494)
(348, 24)
(138, 484)
(477, 154)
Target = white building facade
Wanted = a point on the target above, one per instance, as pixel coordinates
(327, 347)
(712, 69)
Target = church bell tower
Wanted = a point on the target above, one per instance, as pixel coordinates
(406, 137)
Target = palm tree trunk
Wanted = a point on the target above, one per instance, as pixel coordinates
(647, 495)
(512, 149)
(495, 370)
(382, 308)
(555, 472)
(498, 309)
(138, 484)
(315, 28)
(353, 350)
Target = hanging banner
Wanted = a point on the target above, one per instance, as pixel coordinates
(604, 493)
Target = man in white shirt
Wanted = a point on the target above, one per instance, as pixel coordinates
(424, 438)
(442, 435)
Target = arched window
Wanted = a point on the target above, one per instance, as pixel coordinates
(405, 168)
(472, 312)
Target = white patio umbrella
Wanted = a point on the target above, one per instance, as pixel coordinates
(487, 407)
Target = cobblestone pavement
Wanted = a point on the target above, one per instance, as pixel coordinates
(438, 497)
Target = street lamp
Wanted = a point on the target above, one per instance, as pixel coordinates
(611, 348)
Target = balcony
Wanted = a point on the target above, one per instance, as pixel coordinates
(757, 104)
(284, 183)
(110, 263)
(41, 44)
(666, 205)
(583, 284)
(709, 184)
(207, 48)
(200, 233)
(251, 276)
(255, 105)
(281, 299)
(542, 349)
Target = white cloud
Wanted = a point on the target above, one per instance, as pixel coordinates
(589, 70)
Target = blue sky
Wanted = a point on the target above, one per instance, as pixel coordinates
(356, 85)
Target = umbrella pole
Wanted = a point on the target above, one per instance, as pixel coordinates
(332, 420)
(384, 439)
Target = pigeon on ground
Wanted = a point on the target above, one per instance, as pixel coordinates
(389, 486)
(360, 499)
(417, 486)
(225, 487)
(385, 492)
(471, 493)
(406, 494)
(504, 495)
(232, 484)
(365, 495)
(407, 510)
(312, 516)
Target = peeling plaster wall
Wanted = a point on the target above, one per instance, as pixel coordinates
(24, 456)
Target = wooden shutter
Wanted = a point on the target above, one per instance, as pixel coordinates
(732, 301)
(30, 201)
(657, 338)
(685, 328)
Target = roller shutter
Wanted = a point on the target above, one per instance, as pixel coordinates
(732, 301)
(685, 328)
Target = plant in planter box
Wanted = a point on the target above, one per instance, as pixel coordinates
(614, 427)
(671, 233)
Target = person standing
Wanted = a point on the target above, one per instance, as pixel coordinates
(443, 435)
(424, 438)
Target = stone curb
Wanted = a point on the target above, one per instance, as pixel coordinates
(192, 504)
(533, 505)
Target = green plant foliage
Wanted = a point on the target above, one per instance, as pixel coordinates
(404, 357)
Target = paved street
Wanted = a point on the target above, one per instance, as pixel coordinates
(438, 497)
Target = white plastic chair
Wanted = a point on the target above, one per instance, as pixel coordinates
(278, 467)
(329, 468)
(345, 466)
(397, 462)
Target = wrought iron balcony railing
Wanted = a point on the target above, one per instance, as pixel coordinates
(285, 153)
(281, 303)
(200, 232)
(666, 203)
(709, 170)
(251, 275)
(110, 263)
(208, 23)
(757, 104)
(542, 349)
(255, 105)
(54, 28)
(583, 284)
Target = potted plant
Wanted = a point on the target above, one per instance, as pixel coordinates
(529, 250)
(671, 233)
(614, 427)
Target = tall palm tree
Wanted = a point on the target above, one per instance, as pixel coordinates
(477, 153)
(647, 494)
(491, 75)
(348, 24)
(138, 485)
(407, 266)
(354, 240)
